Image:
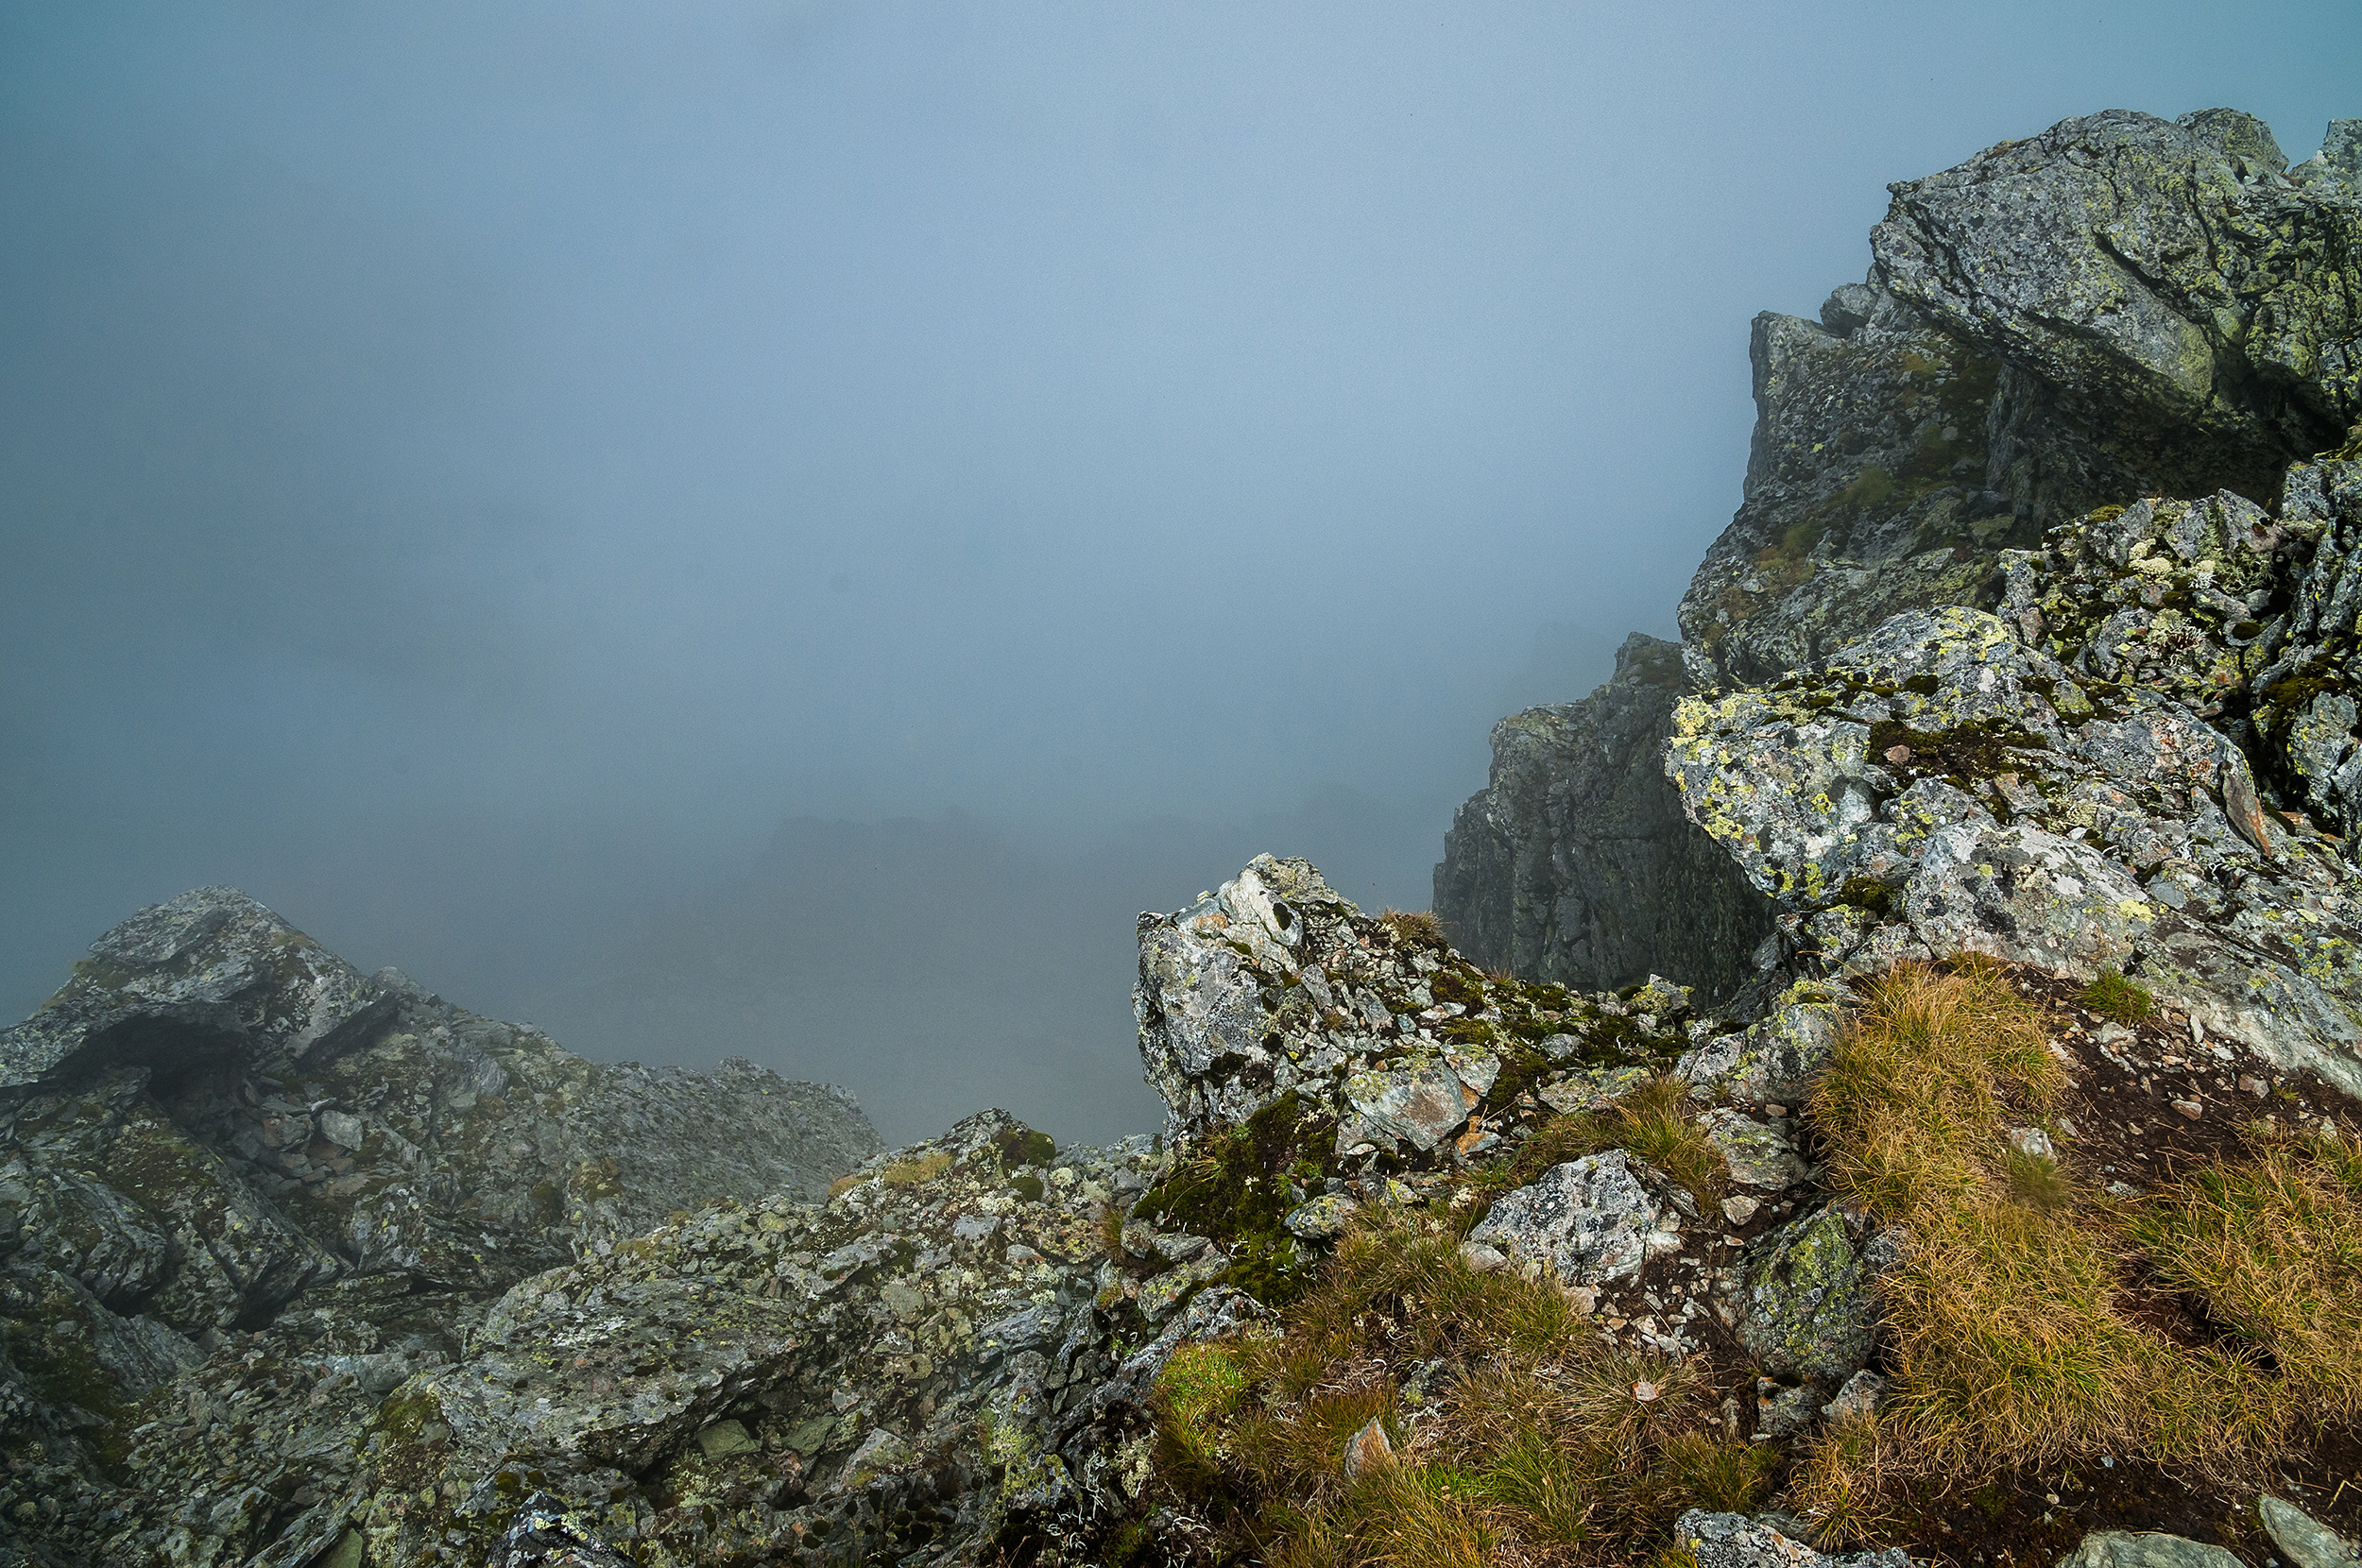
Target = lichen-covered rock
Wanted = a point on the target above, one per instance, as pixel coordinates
(2308, 1542)
(1941, 787)
(2177, 596)
(1757, 1153)
(2339, 162)
(1866, 489)
(1776, 1058)
(1576, 865)
(831, 1378)
(1275, 988)
(2167, 278)
(2145, 1550)
(1591, 1220)
(1808, 1304)
(1734, 1540)
(2303, 702)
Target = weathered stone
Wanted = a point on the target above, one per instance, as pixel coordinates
(2145, 1549)
(1423, 1104)
(1757, 1153)
(1861, 1396)
(2166, 278)
(2308, 1542)
(1943, 787)
(209, 975)
(2339, 162)
(1809, 1304)
(1734, 1540)
(1776, 1058)
(1591, 1220)
(1575, 864)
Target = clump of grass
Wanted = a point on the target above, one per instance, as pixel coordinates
(2274, 1248)
(2111, 995)
(1541, 1443)
(900, 1173)
(1652, 1124)
(1418, 927)
(2014, 1339)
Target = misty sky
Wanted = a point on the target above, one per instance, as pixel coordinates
(467, 472)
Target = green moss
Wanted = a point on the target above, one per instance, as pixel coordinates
(1868, 892)
(1237, 1186)
(1023, 1146)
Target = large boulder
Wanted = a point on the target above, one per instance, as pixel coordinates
(2120, 306)
(2166, 279)
(1576, 865)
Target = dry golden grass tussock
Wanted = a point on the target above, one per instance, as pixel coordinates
(1422, 928)
(2018, 1331)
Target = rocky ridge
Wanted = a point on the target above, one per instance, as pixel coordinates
(2034, 640)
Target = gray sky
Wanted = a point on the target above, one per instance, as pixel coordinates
(467, 473)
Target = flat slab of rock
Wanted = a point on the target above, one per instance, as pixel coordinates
(1734, 1540)
(1590, 1220)
(2145, 1549)
(2308, 1542)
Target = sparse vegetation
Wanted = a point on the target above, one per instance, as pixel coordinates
(900, 1173)
(1535, 1441)
(2111, 995)
(2018, 1333)
(1419, 928)
(1652, 1123)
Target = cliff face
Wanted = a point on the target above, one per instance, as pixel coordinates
(1577, 865)
(2122, 306)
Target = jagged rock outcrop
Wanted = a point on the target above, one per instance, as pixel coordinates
(1943, 786)
(221, 1146)
(1576, 865)
(2121, 306)
(2124, 306)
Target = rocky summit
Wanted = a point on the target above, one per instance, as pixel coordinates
(1879, 1082)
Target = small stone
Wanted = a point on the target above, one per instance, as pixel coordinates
(2189, 1108)
(1861, 1396)
(1322, 1216)
(725, 1438)
(1368, 1451)
(1898, 755)
(1739, 1208)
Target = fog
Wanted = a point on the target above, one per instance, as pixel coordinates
(773, 529)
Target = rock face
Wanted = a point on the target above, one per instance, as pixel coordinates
(1577, 865)
(1943, 786)
(221, 1141)
(2121, 307)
